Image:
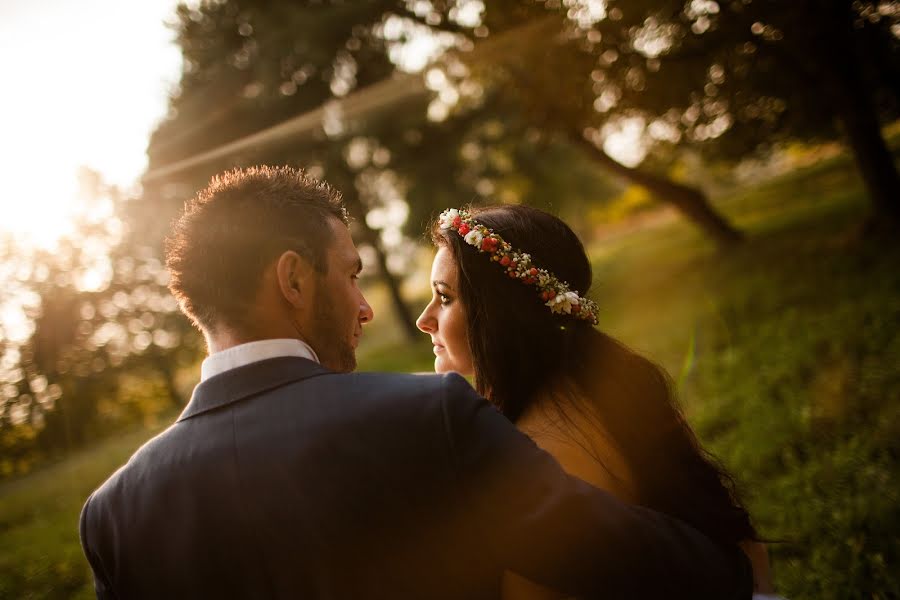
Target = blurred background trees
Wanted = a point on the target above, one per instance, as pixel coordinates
(409, 107)
(100, 342)
(722, 79)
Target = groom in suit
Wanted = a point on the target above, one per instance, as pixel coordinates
(289, 476)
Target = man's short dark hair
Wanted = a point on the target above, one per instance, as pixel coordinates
(235, 227)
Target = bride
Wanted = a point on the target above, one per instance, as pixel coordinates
(509, 307)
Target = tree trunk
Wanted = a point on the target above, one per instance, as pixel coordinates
(371, 237)
(872, 156)
(857, 113)
(691, 202)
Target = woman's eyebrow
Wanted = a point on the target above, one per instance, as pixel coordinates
(438, 282)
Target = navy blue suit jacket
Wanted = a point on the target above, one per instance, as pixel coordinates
(282, 479)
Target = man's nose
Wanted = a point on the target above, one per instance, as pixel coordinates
(366, 313)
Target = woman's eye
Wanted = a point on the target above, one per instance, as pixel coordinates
(445, 299)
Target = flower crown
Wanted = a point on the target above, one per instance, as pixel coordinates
(555, 293)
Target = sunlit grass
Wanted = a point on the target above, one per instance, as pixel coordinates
(40, 555)
(786, 355)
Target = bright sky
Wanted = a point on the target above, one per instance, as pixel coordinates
(84, 83)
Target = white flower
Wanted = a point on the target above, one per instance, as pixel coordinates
(474, 237)
(447, 217)
(563, 303)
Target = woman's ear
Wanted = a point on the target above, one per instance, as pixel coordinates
(295, 278)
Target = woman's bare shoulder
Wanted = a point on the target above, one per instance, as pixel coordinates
(576, 438)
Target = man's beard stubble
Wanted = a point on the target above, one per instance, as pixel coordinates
(334, 351)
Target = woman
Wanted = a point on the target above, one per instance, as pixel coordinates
(508, 307)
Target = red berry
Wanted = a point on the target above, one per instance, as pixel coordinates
(505, 261)
(533, 271)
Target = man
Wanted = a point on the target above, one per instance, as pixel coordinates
(288, 476)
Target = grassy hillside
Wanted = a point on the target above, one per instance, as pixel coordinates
(40, 556)
(785, 353)
(787, 357)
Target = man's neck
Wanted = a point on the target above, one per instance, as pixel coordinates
(224, 338)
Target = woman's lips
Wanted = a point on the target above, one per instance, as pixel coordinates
(438, 348)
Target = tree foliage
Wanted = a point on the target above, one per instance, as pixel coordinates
(722, 78)
(93, 314)
(725, 79)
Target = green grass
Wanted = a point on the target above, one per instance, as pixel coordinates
(40, 555)
(785, 352)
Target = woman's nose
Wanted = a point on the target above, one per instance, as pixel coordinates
(426, 322)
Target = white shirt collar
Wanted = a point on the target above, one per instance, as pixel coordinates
(251, 352)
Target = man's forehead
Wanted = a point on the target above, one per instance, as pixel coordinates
(342, 247)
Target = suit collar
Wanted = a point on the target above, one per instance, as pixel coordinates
(249, 380)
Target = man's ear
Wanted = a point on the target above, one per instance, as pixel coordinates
(295, 278)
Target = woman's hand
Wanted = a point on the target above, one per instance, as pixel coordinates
(759, 559)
